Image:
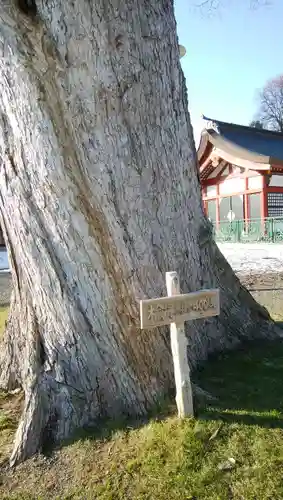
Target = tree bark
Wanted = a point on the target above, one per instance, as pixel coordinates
(99, 197)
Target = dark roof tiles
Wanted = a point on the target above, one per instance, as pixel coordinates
(256, 142)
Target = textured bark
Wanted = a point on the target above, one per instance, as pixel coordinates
(99, 197)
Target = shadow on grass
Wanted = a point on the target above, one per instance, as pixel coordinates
(247, 384)
(268, 421)
(105, 429)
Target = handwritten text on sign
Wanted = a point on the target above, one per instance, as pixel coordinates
(179, 308)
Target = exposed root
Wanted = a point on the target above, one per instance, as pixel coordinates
(10, 378)
(29, 435)
(21, 366)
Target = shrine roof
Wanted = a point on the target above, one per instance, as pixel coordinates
(241, 143)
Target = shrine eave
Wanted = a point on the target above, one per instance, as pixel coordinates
(246, 147)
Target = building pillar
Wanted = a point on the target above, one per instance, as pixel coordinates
(246, 201)
(264, 200)
(217, 207)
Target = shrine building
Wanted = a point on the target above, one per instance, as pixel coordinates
(241, 172)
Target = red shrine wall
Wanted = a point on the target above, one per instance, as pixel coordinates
(236, 193)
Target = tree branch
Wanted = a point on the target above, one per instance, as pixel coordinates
(271, 103)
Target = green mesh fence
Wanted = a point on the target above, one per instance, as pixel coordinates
(269, 230)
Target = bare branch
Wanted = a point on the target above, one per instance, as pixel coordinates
(213, 5)
(270, 111)
(208, 4)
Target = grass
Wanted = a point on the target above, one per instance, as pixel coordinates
(169, 459)
(4, 311)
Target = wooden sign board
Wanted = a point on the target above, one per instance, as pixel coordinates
(179, 308)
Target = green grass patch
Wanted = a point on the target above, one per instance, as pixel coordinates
(233, 449)
(6, 421)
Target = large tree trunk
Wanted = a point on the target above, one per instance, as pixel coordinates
(99, 197)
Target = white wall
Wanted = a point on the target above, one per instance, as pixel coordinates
(255, 182)
(233, 185)
(276, 180)
(211, 191)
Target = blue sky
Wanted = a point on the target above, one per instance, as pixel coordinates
(231, 53)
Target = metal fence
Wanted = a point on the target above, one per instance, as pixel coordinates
(269, 230)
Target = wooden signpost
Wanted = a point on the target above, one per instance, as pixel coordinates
(175, 309)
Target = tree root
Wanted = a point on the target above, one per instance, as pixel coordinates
(9, 373)
(29, 435)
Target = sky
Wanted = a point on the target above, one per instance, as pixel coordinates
(231, 52)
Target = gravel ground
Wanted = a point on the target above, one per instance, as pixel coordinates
(5, 278)
(260, 269)
(5, 288)
(258, 258)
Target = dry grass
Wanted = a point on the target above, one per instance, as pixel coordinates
(4, 311)
(10, 406)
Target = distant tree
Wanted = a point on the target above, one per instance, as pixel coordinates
(256, 124)
(270, 112)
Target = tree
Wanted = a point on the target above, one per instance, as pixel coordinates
(257, 124)
(99, 196)
(271, 104)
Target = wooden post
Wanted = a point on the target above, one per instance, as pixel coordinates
(184, 396)
(174, 310)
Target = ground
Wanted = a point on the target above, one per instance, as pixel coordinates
(246, 258)
(4, 310)
(233, 449)
(260, 269)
